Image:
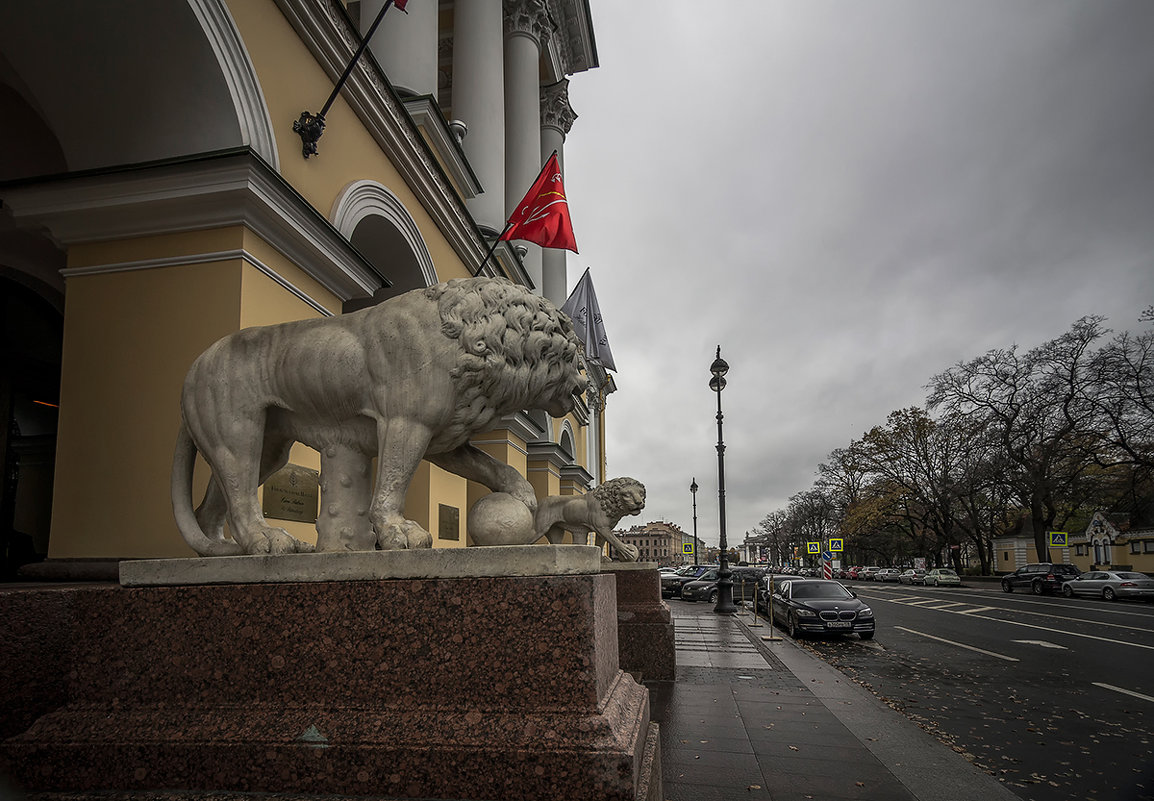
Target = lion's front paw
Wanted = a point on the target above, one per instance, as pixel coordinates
(275, 541)
(629, 553)
(405, 534)
(524, 493)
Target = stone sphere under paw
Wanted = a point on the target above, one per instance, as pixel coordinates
(501, 519)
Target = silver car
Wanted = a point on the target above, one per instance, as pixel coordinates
(1111, 584)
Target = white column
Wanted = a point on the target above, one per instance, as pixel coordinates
(556, 119)
(479, 102)
(405, 44)
(526, 26)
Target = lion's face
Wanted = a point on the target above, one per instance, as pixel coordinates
(564, 397)
(633, 499)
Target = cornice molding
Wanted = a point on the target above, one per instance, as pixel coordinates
(427, 115)
(200, 258)
(325, 30)
(550, 452)
(578, 475)
(212, 191)
(572, 47)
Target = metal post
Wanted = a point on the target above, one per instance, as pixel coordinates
(693, 489)
(724, 583)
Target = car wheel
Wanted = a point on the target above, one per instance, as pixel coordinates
(1067, 592)
(713, 597)
(1037, 588)
(935, 582)
(866, 635)
(1108, 594)
(1007, 586)
(791, 627)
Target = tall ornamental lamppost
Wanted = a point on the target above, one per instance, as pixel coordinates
(693, 489)
(725, 604)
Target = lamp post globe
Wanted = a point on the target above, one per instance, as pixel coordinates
(725, 605)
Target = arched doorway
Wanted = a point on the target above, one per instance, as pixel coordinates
(31, 334)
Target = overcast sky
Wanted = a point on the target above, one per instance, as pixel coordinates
(848, 196)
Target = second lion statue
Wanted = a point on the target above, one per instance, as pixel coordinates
(409, 379)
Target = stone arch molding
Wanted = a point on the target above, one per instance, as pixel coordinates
(566, 428)
(366, 198)
(239, 74)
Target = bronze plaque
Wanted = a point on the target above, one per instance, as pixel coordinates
(449, 524)
(292, 493)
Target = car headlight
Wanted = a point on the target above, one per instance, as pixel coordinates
(867, 612)
(805, 613)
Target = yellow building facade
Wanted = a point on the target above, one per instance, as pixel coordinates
(155, 197)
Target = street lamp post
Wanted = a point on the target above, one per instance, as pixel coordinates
(725, 604)
(693, 489)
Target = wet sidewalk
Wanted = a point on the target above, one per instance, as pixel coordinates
(752, 719)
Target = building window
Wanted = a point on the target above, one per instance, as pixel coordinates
(1079, 550)
(1136, 547)
(1148, 546)
(1005, 556)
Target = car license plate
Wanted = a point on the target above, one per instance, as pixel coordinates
(838, 624)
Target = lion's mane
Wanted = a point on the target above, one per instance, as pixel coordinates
(611, 496)
(516, 348)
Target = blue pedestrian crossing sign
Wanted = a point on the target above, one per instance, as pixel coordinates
(836, 545)
(687, 548)
(813, 547)
(1060, 539)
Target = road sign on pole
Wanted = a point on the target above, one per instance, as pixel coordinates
(813, 547)
(1059, 539)
(687, 548)
(836, 545)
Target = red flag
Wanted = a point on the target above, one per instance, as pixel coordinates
(542, 217)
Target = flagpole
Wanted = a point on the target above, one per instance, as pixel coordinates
(509, 223)
(492, 248)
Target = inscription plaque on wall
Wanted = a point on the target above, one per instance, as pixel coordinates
(449, 522)
(292, 493)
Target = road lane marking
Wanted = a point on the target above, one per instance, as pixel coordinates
(975, 609)
(1043, 644)
(947, 604)
(959, 644)
(1123, 691)
(906, 601)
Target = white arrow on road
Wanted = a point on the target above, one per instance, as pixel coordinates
(1043, 644)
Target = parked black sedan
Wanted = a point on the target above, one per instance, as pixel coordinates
(671, 583)
(818, 606)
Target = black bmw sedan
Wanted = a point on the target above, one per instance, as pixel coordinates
(817, 606)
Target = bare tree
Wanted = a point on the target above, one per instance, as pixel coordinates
(1032, 403)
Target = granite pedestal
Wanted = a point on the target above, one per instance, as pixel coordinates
(482, 687)
(645, 645)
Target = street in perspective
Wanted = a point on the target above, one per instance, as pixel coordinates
(1048, 695)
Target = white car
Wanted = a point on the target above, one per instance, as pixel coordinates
(915, 575)
(942, 577)
(888, 574)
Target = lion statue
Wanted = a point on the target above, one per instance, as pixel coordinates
(598, 511)
(411, 378)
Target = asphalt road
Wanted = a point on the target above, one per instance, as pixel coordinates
(1053, 696)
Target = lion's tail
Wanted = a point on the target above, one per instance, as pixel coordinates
(182, 466)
